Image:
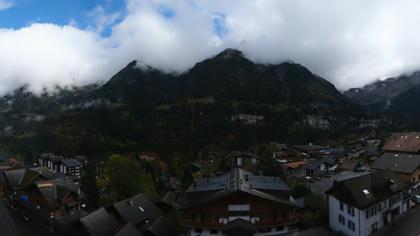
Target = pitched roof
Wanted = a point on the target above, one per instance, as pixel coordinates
(100, 223)
(238, 180)
(348, 165)
(403, 142)
(138, 209)
(402, 163)
(70, 162)
(308, 147)
(312, 165)
(22, 178)
(295, 165)
(128, 230)
(366, 190)
(163, 226)
(329, 160)
(56, 190)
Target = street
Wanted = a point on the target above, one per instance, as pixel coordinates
(408, 225)
(12, 224)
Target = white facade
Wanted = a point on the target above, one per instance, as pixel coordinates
(365, 221)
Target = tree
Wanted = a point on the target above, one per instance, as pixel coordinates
(124, 178)
(89, 186)
(315, 202)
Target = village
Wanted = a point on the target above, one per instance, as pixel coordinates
(299, 190)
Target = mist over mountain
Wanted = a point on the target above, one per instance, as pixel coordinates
(211, 104)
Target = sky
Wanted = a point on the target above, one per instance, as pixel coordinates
(48, 43)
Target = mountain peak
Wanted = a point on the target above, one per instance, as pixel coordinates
(229, 53)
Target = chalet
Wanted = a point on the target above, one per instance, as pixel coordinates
(133, 216)
(406, 165)
(310, 150)
(403, 143)
(56, 197)
(41, 192)
(314, 168)
(238, 203)
(361, 205)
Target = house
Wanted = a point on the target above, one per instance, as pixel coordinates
(57, 197)
(361, 205)
(310, 150)
(330, 163)
(406, 165)
(70, 167)
(349, 165)
(294, 167)
(100, 223)
(238, 203)
(42, 192)
(136, 215)
(314, 168)
(54, 163)
(403, 143)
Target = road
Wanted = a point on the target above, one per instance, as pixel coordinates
(11, 224)
(408, 225)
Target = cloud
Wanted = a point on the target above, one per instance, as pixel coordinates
(4, 4)
(350, 43)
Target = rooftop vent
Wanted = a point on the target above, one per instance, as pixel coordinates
(130, 202)
(141, 209)
(366, 192)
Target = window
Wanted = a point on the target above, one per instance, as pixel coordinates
(264, 230)
(350, 225)
(350, 210)
(213, 231)
(374, 226)
(341, 206)
(197, 230)
(341, 219)
(280, 228)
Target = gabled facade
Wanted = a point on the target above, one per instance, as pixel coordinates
(238, 203)
(359, 206)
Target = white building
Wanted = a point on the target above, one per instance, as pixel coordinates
(361, 205)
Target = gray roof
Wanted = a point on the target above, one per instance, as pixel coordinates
(100, 223)
(162, 227)
(56, 190)
(70, 162)
(21, 178)
(402, 163)
(267, 187)
(138, 209)
(329, 160)
(312, 165)
(129, 230)
(380, 185)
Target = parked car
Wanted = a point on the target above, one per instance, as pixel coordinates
(416, 199)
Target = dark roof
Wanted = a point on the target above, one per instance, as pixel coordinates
(312, 165)
(138, 209)
(348, 165)
(403, 142)
(70, 162)
(329, 160)
(238, 180)
(100, 223)
(129, 230)
(402, 163)
(366, 190)
(163, 226)
(308, 147)
(21, 178)
(56, 190)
